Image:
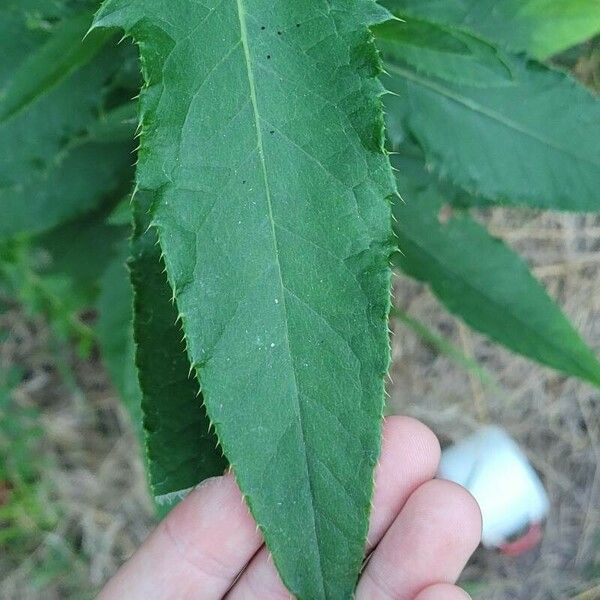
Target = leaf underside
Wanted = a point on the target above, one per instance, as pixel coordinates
(180, 449)
(497, 125)
(262, 144)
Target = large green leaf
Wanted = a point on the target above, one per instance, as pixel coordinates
(490, 287)
(538, 27)
(262, 139)
(180, 448)
(54, 93)
(518, 133)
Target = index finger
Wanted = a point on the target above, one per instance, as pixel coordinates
(201, 546)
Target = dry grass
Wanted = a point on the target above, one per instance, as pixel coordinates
(92, 475)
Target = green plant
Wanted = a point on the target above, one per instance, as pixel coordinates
(24, 508)
(261, 211)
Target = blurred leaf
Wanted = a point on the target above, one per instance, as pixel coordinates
(539, 28)
(490, 287)
(181, 449)
(54, 93)
(414, 175)
(65, 52)
(82, 250)
(122, 213)
(529, 139)
(114, 331)
(446, 53)
(443, 346)
(117, 125)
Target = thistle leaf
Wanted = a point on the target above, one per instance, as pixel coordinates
(262, 144)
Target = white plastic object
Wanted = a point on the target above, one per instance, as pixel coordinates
(511, 496)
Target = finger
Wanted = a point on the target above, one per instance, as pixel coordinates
(410, 456)
(200, 547)
(443, 591)
(430, 542)
(260, 580)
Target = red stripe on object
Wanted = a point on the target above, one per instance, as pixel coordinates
(525, 543)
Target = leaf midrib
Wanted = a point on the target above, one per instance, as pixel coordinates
(486, 112)
(261, 153)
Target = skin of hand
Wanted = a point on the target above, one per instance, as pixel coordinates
(421, 534)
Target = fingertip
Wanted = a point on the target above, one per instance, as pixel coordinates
(208, 498)
(425, 444)
(443, 591)
(431, 540)
(454, 510)
(405, 438)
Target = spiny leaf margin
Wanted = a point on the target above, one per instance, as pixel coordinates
(340, 276)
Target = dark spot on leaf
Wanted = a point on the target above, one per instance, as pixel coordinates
(279, 33)
(297, 24)
(268, 56)
(263, 27)
(244, 182)
(272, 131)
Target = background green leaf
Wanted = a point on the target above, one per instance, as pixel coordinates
(55, 89)
(446, 53)
(490, 287)
(539, 28)
(262, 140)
(65, 52)
(181, 450)
(83, 250)
(114, 331)
(527, 138)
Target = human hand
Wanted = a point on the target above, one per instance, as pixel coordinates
(421, 534)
